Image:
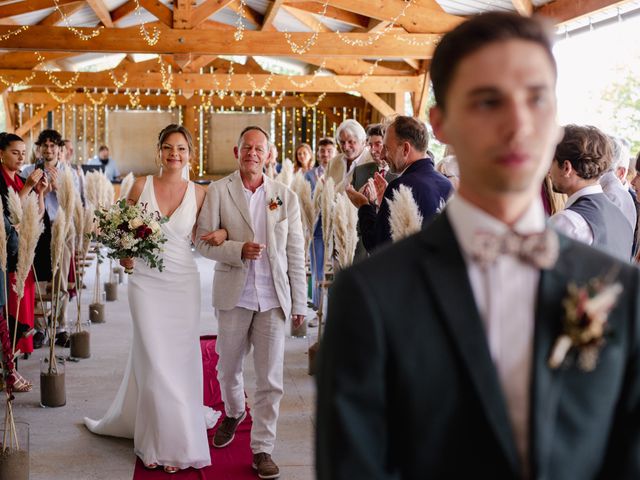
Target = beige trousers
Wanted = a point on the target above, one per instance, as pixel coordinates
(238, 330)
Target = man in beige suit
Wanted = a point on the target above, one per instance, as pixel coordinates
(352, 138)
(259, 281)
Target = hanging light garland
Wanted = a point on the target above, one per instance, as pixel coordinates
(223, 92)
(75, 31)
(21, 83)
(116, 82)
(243, 97)
(306, 83)
(265, 85)
(103, 96)
(134, 98)
(379, 34)
(53, 79)
(415, 43)
(277, 101)
(239, 33)
(59, 99)
(312, 104)
(309, 42)
(12, 33)
(360, 81)
(150, 39)
(167, 81)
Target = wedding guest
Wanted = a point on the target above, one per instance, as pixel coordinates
(580, 159)
(12, 156)
(614, 181)
(440, 357)
(405, 142)
(326, 151)
(448, 167)
(303, 158)
(159, 402)
(109, 164)
(49, 149)
(259, 281)
(352, 138)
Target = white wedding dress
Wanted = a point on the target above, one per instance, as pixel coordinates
(160, 401)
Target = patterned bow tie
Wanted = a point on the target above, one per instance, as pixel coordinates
(538, 249)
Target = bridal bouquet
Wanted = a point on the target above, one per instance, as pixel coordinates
(130, 231)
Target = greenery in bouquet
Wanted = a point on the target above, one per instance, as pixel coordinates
(130, 231)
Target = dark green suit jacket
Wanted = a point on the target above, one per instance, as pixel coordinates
(407, 388)
(362, 173)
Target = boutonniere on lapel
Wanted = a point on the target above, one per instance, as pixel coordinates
(585, 324)
(274, 203)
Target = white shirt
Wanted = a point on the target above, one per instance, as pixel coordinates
(571, 223)
(505, 293)
(259, 292)
(619, 195)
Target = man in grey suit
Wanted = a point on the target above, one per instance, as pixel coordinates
(467, 350)
(259, 281)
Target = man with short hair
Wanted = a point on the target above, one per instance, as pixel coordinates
(580, 159)
(352, 139)
(325, 152)
(259, 281)
(109, 164)
(405, 142)
(443, 355)
(375, 142)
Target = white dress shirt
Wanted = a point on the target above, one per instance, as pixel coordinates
(619, 195)
(259, 292)
(571, 223)
(505, 293)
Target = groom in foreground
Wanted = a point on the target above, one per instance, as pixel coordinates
(442, 355)
(259, 281)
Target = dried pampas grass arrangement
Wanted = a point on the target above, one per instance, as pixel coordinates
(345, 234)
(66, 194)
(286, 173)
(58, 231)
(302, 188)
(126, 185)
(93, 188)
(15, 207)
(327, 202)
(404, 216)
(31, 228)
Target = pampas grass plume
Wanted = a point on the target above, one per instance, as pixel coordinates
(30, 230)
(345, 235)
(15, 207)
(286, 173)
(404, 216)
(126, 185)
(58, 235)
(66, 197)
(327, 202)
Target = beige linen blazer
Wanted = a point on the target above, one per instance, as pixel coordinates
(225, 206)
(337, 169)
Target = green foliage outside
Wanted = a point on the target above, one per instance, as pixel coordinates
(621, 101)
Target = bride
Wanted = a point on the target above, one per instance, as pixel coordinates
(159, 403)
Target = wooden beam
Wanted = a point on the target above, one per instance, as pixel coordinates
(344, 16)
(413, 63)
(307, 19)
(8, 112)
(182, 14)
(101, 11)
(378, 103)
(123, 11)
(248, 13)
(33, 121)
(377, 25)
(523, 7)
(56, 16)
(37, 98)
(208, 8)
(400, 105)
(159, 10)
(201, 42)
(239, 82)
(19, 8)
(354, 66)
(562, 11)
(422, 97)
(420, 15)
(200, 62)
(27, 60)
(270, 15)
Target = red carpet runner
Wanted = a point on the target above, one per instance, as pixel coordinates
(230, 463)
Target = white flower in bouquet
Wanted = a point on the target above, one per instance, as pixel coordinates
(136, 222)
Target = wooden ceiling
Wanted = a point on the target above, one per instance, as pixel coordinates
(387, 49)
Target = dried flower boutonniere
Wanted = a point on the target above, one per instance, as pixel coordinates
(274, 203)
(585, 323)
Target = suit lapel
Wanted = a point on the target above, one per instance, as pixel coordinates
(269, 194)
(237, 195)
(546, 383)
(446, 271)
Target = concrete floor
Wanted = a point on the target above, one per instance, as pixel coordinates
(63, 449)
